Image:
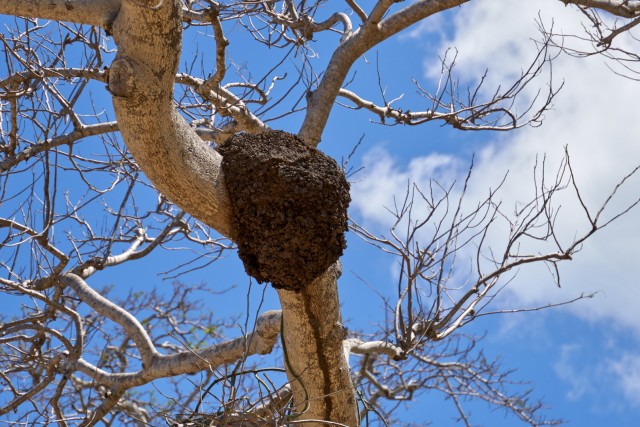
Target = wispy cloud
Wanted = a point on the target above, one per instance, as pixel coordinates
(568, 370)
(587, 369)
(626, 370)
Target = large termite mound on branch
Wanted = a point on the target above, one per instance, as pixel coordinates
(290, 207)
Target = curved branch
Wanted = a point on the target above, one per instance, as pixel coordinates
(174, 158)
(117, 314)
(357, 346)
(339, 17)
(357, 9)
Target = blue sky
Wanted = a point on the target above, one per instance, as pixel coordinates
(582, 359)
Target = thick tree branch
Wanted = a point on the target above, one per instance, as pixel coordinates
(92, 12)
(156, 365)
(622, 8)
(100, 304)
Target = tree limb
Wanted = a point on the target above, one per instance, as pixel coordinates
(110, 310)
(91, 12)
(33, 150)
(622, 8)
(261, 341)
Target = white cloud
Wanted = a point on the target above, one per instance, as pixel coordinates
(492, 35)
(386, 180)
(595, 115)
(627, 372)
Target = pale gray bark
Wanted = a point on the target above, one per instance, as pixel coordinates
(187, 171)
(167, 149)
(623, 8)
(313, 339)
(92, 12)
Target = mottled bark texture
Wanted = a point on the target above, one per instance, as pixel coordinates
(289, 207)
(92, 12)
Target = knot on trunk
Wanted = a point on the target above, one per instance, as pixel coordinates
(289, 202)
(122, 77)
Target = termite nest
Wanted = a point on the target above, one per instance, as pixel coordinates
(289, 204)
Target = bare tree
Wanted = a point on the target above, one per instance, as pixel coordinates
(71, 354)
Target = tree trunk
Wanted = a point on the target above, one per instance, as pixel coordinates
(315, 363)
(188, 172)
